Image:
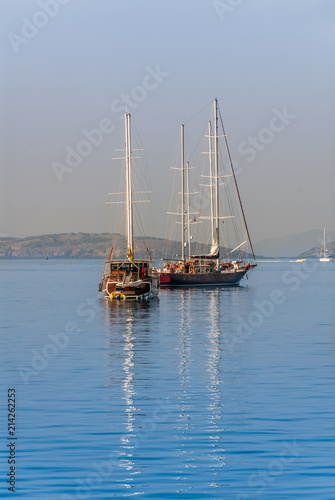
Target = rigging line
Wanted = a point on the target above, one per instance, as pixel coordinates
(117, 235)
(238, 193)
(142, 174)
(107, 235)
(139, 142)
(203, 233)
(230, 204)
(197, 144)
(207, 105)
(173, 202)
(141, 229)
(143, 185)
(140, 164)
(118, 212)
(140, 226)
(231, 210)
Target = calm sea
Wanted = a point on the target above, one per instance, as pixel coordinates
(205, 393)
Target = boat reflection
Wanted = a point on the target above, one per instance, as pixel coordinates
(178, 348)
(216, 399)
(201, 401)
(122, 318)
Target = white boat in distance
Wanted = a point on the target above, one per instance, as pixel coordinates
(324, 257)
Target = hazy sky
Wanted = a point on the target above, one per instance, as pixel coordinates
(68, 67)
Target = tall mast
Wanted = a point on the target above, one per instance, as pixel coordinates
(182, 194)
(211, 179)
(129, 201)
(324, 242)
(188, 208)
(216, 166)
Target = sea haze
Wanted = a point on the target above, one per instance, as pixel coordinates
(205, 393)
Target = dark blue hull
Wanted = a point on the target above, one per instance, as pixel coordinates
(218, 279)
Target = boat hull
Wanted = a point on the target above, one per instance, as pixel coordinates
(229, 278)
(146, 290)
(129, 280)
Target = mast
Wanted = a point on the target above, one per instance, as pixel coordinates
(216, 167)
(324, 242)
(182, 194)
(211, 179)
(188, 209)
(129, 201)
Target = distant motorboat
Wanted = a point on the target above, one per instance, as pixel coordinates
(324, 257)
(300, 260)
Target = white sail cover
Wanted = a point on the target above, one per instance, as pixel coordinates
(214, 249)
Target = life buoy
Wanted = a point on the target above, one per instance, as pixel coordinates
(117, 295)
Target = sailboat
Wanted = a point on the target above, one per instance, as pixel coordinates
(324, 257)
(207, 268)
(129, 278)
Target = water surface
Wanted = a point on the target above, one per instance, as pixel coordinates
(205, 393)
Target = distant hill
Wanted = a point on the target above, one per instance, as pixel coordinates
(315, 252)
(75, 245)
(93, 245)
(85, 246)
(292, 245)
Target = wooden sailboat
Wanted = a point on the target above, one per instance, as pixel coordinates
(129, 278)
(324, 257)
(207, 268)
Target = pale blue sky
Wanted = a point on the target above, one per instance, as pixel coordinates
(255, 56)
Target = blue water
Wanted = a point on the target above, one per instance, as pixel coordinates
(206, 393)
